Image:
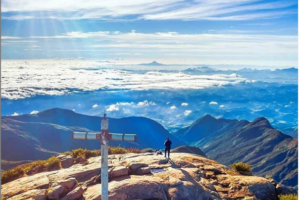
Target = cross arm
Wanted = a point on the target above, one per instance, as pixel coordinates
(110, 136)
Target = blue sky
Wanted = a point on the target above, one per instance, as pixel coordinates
(252, 32)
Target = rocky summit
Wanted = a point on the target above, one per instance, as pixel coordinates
(185, 176)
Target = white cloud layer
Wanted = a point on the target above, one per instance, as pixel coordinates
(213, 103)
(148, 9)
(184, 104)
(22, 79)
(34, 112)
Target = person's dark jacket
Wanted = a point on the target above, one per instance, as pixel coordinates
(168, 144)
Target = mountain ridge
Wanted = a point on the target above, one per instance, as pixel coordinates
(41, 135)
(256, 143)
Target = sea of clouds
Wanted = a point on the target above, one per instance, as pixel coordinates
(24, 79)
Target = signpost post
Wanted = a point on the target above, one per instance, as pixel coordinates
(104, 136)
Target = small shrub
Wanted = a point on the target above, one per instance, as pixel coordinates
(33, 167)
(52, 163)
(241, 167)
(288, 197)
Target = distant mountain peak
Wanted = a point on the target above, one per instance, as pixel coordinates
(206, 118)
(154, 63)
(261, 121)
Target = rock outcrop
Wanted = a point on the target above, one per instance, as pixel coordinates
(66, 160)
(144, 176)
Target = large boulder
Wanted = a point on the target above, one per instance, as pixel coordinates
(56, 192)
(66, 161)
(74, 194)
(118, 171)
(69, 184)
(134, 166)
(143, 170)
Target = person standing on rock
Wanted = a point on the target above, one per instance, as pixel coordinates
(168, 144)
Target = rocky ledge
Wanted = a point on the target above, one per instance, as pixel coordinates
(144, 176)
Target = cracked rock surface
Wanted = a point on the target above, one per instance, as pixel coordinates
(145, 176)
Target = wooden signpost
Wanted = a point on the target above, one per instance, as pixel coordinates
(104, 136)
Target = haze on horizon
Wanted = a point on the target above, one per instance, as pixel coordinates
(228, 32)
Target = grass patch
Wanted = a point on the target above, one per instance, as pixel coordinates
(241, 167)
(288, 197)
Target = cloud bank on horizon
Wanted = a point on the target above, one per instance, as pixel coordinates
(256, 32)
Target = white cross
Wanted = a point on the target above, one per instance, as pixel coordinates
(104, 137)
